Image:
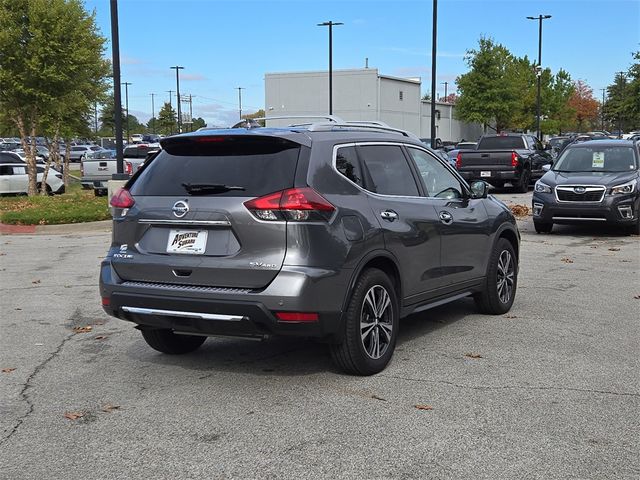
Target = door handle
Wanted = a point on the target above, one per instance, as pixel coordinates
(446, 218)
(389, 215)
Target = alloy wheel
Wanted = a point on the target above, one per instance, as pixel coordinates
(505, 274)
(376, 321)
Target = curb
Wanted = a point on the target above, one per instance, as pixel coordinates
(64, 229)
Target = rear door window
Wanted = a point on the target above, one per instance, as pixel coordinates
(258, 165)
(348, 165)
(389, 170)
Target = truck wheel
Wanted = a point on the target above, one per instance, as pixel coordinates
(523, 185)
(501, 282)
(166, 341)
(370, 326)
(542, 227)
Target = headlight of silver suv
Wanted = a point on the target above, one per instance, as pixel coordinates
(542, 187)
(628, 187)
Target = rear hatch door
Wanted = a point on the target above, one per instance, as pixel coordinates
(189, 224)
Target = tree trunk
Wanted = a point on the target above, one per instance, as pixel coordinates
(67, 155)
(31, 159)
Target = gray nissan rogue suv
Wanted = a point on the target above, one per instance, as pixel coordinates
(331, 230)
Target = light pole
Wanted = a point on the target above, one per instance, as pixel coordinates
(602, 108)
(540, 18)
(330, 24)
(623, 81)
(117, 94)
(240, 100)
(434, 39)
(153, 114)
(126, 96)
(177, 69)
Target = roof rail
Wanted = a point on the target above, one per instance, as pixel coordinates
(364, 125)
(331, 118)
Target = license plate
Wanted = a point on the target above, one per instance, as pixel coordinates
(193, 242)
(485, 174)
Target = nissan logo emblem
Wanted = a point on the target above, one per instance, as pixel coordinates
(579, 189)
(180, 209)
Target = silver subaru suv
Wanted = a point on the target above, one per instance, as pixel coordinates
(333, 230)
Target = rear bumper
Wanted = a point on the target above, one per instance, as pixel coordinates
(616, 210)
(495, 175)
(230, 311)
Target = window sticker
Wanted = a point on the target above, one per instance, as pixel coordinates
(598, 160)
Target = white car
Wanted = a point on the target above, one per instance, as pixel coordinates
(14, 179)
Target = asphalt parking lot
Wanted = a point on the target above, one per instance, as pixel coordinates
(550, 390)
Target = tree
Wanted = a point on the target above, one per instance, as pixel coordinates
(486, 94)
(451, 98)
(426, 97)
(108, 117)
(51, 67)
(198, 123)
(555, 100)
(622, 107)
(584, 105)
(166, 119)
(259, 114)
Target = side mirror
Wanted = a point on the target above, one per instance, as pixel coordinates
(478, 189)
(546, 167)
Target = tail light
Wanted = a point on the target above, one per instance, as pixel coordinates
(128, 168)
(514, 159)
(293, 204)
(122, 199)
(459, 160)
(105, 301)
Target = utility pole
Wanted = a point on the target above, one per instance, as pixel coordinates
(445, 89)
(540, 18)
(126, 96)
(330, 24)
(240, 100)
(153, 114)
(434, 39)
(191, 112)
(177, 69)
(95, 114)
(602, 108)
(623, 78)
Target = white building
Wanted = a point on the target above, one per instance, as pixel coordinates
(363, 94)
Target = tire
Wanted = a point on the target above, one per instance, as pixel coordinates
(166, 341)
(542, 227)
(501, 282)
(523, 185)
(373, 292)
(634, 229)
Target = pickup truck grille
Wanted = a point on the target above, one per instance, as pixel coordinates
(580, 193)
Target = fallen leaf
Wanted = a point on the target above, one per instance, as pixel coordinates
(73, 415)
(17, 308)
(614, 249)
(566, 260)
(594, 246)
(637, 297)
(7, 370)
(100, 337)
(39, 344)
(108, 408)
(35, 282)
(376, 397)
(625, 261)
(520, 210)
(510, 316)
(473, 355)
(85, 329)
(423, 407)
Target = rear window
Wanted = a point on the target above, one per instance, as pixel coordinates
(501, 143)
(259, 165)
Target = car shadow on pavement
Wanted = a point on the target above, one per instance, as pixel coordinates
(282, 356)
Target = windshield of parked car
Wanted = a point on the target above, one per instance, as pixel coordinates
(596, 159)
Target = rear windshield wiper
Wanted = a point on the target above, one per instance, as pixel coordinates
(196, 188)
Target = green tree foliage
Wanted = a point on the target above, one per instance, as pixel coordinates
(198, 123)
(51, 67)
(501, 88)
(622, 107)
(486, 93)
(166, 119)
(108, 117)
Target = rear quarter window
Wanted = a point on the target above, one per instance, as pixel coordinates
(260, 166)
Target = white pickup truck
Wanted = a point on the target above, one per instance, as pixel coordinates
(98, 168)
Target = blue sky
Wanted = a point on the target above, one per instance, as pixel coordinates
(224, 44)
